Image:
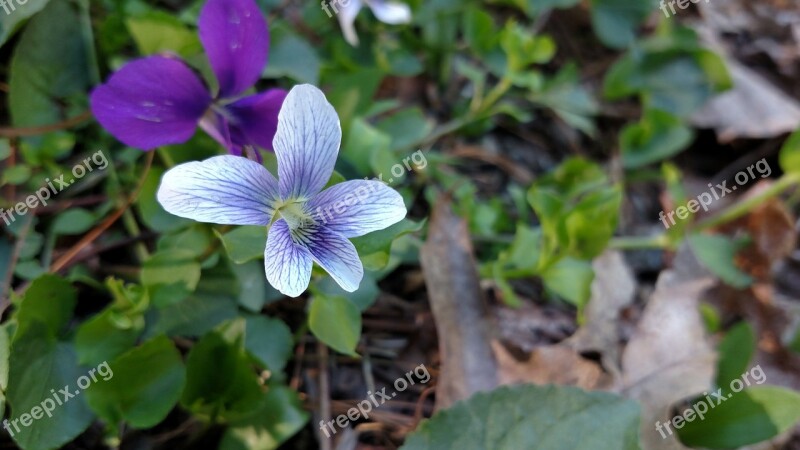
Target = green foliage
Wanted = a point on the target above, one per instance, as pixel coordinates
(735, 352)
(146, 384)
(753, 415)
(505, 419)
(659, 135)
(336, 322)
(789, 156)
(718, 254)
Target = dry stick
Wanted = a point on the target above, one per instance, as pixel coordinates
(11, 132)
(97, 231)
(324, 394)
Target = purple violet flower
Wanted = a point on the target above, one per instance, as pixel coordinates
(158, 100)
(305, 224)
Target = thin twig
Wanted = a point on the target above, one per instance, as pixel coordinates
(42, 129)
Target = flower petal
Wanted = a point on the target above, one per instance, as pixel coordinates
(390, 12)
(151, 102)
(306, 143)
(347, 18)
(256, 118)
(236, 39)
(226, 190)
(338, 256)
(218, 127)
(286, 263)
(355, 208)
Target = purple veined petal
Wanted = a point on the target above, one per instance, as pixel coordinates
(235, 36)
(306, 143)
(218, 127)
(256, 117)
(334, 253)
(286, 263)
(226, 190)
(390, 12)
(347, 18)
(151, 102)
(355, 208)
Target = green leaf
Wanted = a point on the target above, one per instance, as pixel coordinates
(151, 212)
(252, 285)
(102, 339)
(336, 322)
(615, 21)
(363, 297)
(144, 387)
(5, 353)
(279, 418)
(753, 415)
(13, 20)
(52, 65)
(572, 102)
(381, 240)
(48, 301)
(157, 32)
(789, 156)
(244, 243)
(505, 419)
(170, 266)
(735, 352)
(718, 254)
(269, 340)
(406, 128)
(220, 380)
(659, 135)
(362, 142)
(73, 221)
(571, 279)
(213, 302)
(291, 55)
(39, 368)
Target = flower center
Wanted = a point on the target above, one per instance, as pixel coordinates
(295, 215)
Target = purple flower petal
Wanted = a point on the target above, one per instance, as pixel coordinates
(235, 37)
(286, 263)
(355, 208)
(338, 256)
(306, 143)
(151, 102)
(255, 118)
(217, 126)
(226, 190)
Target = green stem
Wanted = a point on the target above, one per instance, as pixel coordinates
(639, 242)
(741, 208)
(166, 158)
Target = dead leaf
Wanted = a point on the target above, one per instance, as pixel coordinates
(459, 308)
(668, 358)
(552, 364)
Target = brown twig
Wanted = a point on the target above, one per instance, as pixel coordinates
(324, 394)
(67, 257)
(42, 129)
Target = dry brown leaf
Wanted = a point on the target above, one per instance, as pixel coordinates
(460, 311)
(668, 357)
(552, 364)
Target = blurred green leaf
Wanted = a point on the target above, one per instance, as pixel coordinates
(789, 156)
(659, 135)
(244, 243)
(279, 418)
(336, 322)
(718, 254)
(101, 339)
(270, 341)
(376, 246)
(151, 212)
(40, 367)
(363, 143)
(406, 128)
(735, 352)
(753, 415)
(220, 381)
(290, 55)
(145, 385)
(52, 65)
(158, 31)
(616, 21)
(14, 19)
(73, 221)
(49, 301)
(571, 279)
(170, 266)
(504, 420)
